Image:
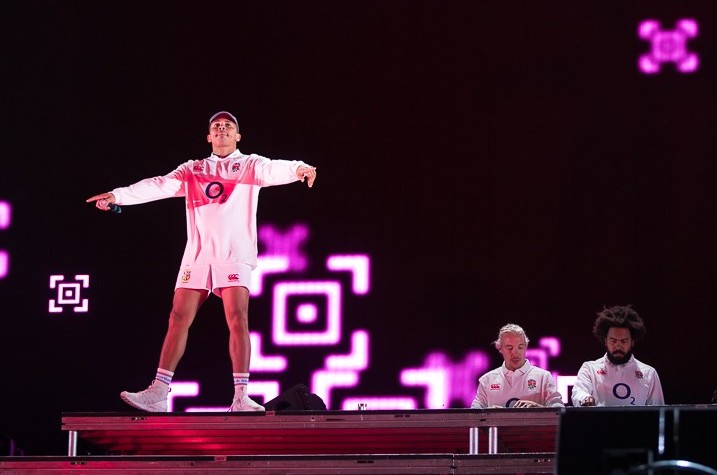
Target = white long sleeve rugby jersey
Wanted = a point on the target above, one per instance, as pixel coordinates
(631, 384)
(502, 387)
(221, 197)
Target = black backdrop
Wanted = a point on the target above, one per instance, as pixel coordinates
(499, 161)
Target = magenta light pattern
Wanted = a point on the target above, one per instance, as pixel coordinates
(284, 291)
(445, 380)
(182, 389)
(264, 363)
(564, 384)
(287, 244)
(69, 294)
(4, 224)
(266, 265)
(668, 46)
(359, 268)
(308, 312)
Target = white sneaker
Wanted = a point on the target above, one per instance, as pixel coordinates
(243, 403)
(152, 399)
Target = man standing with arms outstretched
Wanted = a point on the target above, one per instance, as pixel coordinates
(221, 193)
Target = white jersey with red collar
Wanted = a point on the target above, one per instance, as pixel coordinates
(631, 384)
(221, 201)
(502, 387)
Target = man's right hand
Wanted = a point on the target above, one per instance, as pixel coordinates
(102, 201)
(588, 401)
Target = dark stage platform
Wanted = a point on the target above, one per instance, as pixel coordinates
(283, 464)
(453, 441)
(319, 432)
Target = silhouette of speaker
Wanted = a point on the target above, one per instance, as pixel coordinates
(296, 398)
(636, 439)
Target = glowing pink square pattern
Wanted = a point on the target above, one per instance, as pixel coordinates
(69, 293)
(668, 46)
(307, 313)
(4, 215)
(358, 265)
(4, 264)
(281, 335)
(4, 224)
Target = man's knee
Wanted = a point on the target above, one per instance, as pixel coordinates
(180, 319)
(238, 318)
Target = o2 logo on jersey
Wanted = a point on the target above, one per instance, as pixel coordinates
(214, 190)
(622, 392)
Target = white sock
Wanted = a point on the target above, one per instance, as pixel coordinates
(241, 380)
(164, 376)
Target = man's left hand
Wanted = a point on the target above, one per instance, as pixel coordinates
(525, 404)
(308, 172)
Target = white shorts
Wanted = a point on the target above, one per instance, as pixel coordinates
(213, 277)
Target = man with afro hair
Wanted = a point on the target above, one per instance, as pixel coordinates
(618, 378)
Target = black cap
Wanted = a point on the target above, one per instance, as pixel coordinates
(226, 115)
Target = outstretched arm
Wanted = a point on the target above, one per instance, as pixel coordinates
(102, 201)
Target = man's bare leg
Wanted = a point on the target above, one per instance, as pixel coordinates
(236, 310)
(185, 305)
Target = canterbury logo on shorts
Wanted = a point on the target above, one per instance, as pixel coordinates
(233, 277)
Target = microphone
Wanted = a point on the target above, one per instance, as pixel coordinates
(115, 208)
